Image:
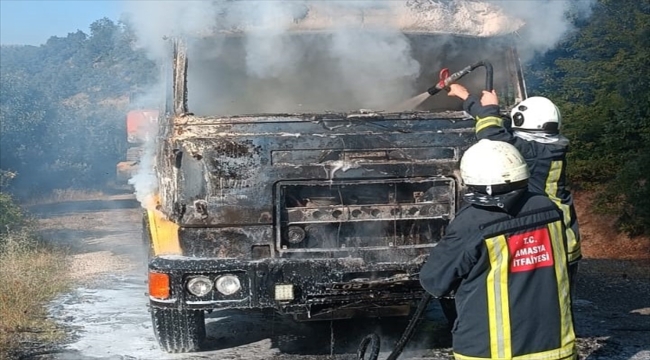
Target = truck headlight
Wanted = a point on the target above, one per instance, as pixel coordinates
(199, 285)
(228, 284)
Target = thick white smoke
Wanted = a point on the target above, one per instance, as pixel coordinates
(366, 36)
(547, 22)
(144, 180)
(154, 21)
(268, 53)
(350, 54)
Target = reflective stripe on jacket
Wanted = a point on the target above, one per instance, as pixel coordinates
(546, 162)
(509, 271)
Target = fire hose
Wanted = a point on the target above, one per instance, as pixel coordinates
(370, 345)
(373, 340)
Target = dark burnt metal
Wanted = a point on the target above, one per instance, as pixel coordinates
(370, 202)
(322, 286)
(237, 161)
(201, 207)
(369, 193)
(384, 220)
(179, 78)
(178, 158)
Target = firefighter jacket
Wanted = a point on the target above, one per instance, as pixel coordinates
(507, 264)
(546, 162)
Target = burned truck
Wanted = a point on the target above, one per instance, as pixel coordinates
(321, 214)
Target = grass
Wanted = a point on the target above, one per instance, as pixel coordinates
(32, 273)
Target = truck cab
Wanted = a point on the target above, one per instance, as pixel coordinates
(321, 214)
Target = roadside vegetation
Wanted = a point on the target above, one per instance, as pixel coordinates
(598, 78)
(32, 273)
(63, 106)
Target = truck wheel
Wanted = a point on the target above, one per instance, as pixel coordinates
(178, 331)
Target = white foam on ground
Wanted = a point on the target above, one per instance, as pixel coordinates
(114, 322)
(110, 321)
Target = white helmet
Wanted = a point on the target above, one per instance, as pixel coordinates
(536, 113)
(488, 163)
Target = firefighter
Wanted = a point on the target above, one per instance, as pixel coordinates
(535, 132)
(505, 256)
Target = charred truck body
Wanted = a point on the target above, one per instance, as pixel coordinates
(318, 214)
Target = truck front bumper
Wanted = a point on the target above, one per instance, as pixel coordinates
(313, 283)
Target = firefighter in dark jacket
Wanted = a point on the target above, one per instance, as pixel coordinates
(505, 257)
(534, 131)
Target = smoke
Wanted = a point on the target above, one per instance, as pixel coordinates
(312, 56)
(268, 53)
(348, 68)
(286, 56)
(144, 181)
(154, 21)
(547, 22)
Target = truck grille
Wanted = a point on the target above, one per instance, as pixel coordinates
(361, 216)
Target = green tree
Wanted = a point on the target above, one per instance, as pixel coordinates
(598, 79)
(63, 106)
(24, 117)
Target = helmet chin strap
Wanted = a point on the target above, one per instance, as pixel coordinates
(504, 201)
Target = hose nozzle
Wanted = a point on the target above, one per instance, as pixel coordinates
(446, 80)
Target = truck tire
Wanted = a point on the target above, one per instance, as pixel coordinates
(178, 331)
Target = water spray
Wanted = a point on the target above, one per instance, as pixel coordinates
(370, 345)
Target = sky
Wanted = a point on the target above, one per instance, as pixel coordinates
(32, 22)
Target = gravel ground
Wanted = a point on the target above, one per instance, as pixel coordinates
(107, 317)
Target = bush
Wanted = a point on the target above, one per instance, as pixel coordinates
(595, 78)
(12, 217)
(32, 273)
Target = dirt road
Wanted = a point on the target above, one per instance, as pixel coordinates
(107, 316)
